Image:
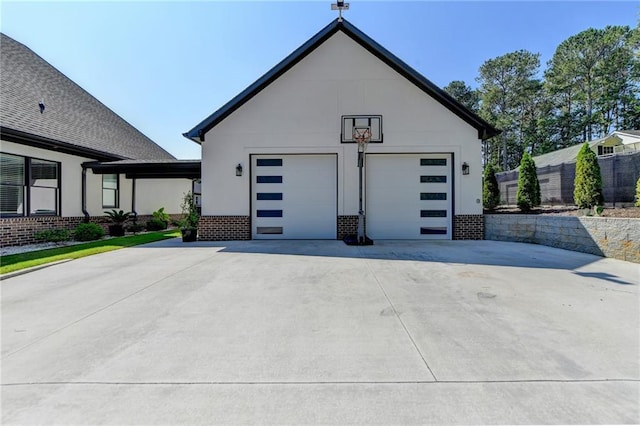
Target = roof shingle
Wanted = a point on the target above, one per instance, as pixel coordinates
(71, 116)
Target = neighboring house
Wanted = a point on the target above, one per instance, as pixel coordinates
(279, 160)
(619, 160)
(65, 157)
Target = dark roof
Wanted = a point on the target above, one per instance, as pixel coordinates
(73, 121)
(485, 130)
(152, 169)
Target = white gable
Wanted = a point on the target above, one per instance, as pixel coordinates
(340, 78)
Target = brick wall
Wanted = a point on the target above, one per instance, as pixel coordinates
(610, 237)
(224, 228)
(347, 225)
(18, 231)
(468, 227)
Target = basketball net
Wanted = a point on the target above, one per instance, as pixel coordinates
(362, 135)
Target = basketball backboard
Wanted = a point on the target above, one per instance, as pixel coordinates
(349, 122)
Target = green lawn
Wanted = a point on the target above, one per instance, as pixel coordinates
(15, 262)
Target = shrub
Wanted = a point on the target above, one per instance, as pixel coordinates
(88, 232)
(118, 217)
(161, 215)
(638, 193)
(135, 228)
(190, 215)
(528, 195)
(156, 225)
(587, 185)
(53, 235)
(490, 188)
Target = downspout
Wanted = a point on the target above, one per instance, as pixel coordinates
(133, 200)
(84, 194)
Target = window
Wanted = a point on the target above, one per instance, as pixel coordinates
(110, 188)
(29, 186)
(433, 161)
(433, 179)
(605, 150)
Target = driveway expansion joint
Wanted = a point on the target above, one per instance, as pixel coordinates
(415, 345)
(305, 383)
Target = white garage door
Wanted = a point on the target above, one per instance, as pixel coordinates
(294, 196)
(408, 196)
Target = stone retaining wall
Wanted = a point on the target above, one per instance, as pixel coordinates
(609, 237)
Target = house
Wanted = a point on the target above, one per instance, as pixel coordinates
(280, 160)
(65, 157)
(619, 159)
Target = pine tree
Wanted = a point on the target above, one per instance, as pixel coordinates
(490, 188)
(587, 191)
(528, 195)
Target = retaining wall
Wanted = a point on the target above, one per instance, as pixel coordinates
(609, 237)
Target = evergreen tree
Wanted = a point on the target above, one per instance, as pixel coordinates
(490, 188)
(528, 195)
(587, 185)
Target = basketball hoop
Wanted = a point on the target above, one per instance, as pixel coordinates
(362, 135)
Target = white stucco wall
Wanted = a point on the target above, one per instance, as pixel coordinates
(301, 111)
(151, 194)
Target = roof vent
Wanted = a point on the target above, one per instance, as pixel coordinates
(41, 105)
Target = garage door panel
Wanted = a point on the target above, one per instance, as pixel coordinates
(305, 194)
(408, 196)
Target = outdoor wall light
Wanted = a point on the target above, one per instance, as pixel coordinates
(239, 170)
(465, 168)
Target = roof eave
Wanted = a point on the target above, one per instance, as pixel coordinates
(180, 169)
(24, 138)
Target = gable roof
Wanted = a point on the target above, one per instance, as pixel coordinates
(73, 121)
(485, 130)
(564, 155)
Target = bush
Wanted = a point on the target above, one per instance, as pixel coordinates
(161, 215)
(135, 228)
(490, 188)
(528, 195)
(587, 185)
(638, 193)
(88, 232)
(118, 217)
(53, 235)
(190, 215)
(156, 225)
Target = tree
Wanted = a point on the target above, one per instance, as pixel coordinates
(587, 191)
(490, 188)
(593, 78)
(509, 91)
(638, 193)
(528, 195)
(464, 94)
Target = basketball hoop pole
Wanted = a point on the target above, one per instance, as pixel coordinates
(362, 136)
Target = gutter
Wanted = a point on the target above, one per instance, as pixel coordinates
(84, 193)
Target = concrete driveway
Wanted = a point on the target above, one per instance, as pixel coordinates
(319, 332)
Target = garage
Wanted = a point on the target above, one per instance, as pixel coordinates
(294, 196)
(409, 196)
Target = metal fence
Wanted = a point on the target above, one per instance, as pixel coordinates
(619, 175)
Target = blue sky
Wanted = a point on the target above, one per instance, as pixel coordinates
(164, 66)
